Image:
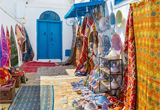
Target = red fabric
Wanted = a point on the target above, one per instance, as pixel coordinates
(31, 67)
(9, 47)
(130, 70)
(4, 76)
(8, 85)
(84, 53)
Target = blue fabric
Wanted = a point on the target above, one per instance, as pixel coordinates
(28, 56)
(0, 51)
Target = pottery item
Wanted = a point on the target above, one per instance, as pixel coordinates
(119, 18)
(114, 69)
(112, 20)
(106, 44)
(119, 79)
(105, 106)
(117, 43)
(112, 54)
(114, 84)
(91, 106)
(102, 99)
(104, 24)
(97, 26)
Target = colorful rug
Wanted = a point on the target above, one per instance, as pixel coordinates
(34, 98)
(31, 66)
(53, 71)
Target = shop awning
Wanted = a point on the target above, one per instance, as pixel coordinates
(80, 9)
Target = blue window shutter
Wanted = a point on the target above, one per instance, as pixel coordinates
(118, 1)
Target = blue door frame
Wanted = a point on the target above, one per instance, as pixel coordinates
(52, 50)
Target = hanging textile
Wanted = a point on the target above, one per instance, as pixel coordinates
(146, 18)
(24, 43)
(71, 60)
(0, 51)
(4, 48)
(9, 47)
(14, 52)
(84, 53)
(130, 70)
(79, 44)
(29, 54)
(20, 38)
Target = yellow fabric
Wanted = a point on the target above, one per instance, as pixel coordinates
(146, 18)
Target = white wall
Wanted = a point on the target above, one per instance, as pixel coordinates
(7, 20)
(32, 13)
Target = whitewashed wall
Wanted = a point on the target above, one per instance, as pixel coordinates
(32, 13)
(7, 20)
(31, 10)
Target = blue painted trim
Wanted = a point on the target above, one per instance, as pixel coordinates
(51, 16)
(61, 41)
(67, 52)
(79, 9)
(37, 36)
(117, 1)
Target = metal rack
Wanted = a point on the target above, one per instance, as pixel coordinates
(110, 73)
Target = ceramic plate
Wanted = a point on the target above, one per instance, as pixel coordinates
(117, 43)
(106, 44)
(119, 18)
(112, 20)
(104, 24)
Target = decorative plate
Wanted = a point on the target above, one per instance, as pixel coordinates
(112, 20)
(106, 44)
(119, 18)
(100, 44)
(117, 43)
(104, 24)
(97, 25)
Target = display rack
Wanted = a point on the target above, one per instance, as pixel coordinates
(107, 70)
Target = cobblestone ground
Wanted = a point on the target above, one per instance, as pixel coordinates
(63, 93)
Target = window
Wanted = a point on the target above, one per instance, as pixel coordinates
(117, 1)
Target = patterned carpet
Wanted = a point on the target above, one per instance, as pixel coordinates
(34, 98)
(53, 71)
(31, 66)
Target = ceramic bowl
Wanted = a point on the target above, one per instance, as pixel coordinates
(91, 106)
(102, 100)
(105, 106)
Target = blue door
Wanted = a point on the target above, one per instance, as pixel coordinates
(49, 39)
(49, 36)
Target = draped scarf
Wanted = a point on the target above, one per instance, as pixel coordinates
(5, 53)
(14, 52)
(9, 46)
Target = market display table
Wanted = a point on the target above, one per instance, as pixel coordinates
(7, 91)
(18, 79)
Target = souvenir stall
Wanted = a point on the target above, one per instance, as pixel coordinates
(110, 84)
(13, 48)
(97, 56)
